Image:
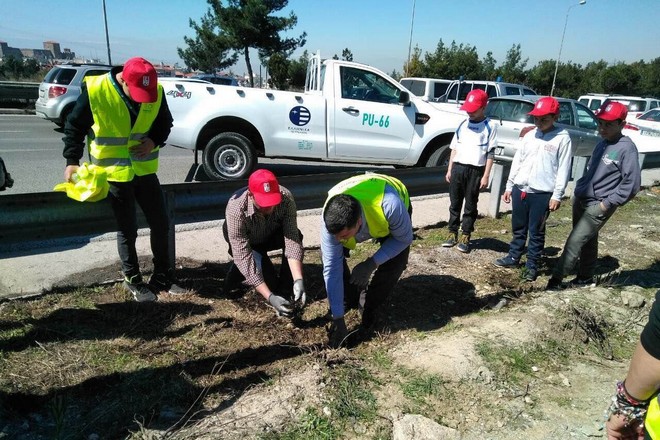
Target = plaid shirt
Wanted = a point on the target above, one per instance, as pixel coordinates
(247, 227)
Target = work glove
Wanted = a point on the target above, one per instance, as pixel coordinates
(299, 294)
(281, 306)
(337, 332)
(362, 272)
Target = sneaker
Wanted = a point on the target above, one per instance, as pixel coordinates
(507, 262)
(464, 243)
(166, 283)
(139, 290)
(451, 240)
(530, 274)
(554, 284)
(583, 282)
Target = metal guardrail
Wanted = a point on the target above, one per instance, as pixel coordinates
(29, 219)
(13, 91)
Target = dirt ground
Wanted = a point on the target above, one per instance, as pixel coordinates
(501, 358)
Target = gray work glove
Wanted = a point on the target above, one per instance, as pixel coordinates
(337, 332)
(299, 294)
(281, 306)
(362, 272)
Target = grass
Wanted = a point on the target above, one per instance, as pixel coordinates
(88, 361)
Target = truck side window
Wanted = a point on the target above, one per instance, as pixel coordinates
(367, 86)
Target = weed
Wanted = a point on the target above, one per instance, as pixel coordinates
(311, 426)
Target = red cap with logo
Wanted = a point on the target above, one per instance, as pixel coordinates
(264, 188)
(475, 100)
(545, 106)
(613, 111)
(142, 80)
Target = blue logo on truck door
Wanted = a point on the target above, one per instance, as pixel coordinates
(300, 116)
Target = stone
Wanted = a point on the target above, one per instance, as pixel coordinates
(415, 426)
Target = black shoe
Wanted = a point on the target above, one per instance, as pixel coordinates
(166, 283)
(139, 290)
(507, 262)
(530, 274)
(451, 240)
(464, 243)
(554, 284)
(232, 286)
(583, 282)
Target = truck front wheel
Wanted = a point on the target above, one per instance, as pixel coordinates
(229, 156)
(439, 157)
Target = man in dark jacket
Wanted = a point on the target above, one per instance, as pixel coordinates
(124, 116)
(613, 178)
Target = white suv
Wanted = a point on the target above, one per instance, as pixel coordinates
(636, 105)
(61, 87)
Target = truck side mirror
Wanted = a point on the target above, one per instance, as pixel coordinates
(404, 98)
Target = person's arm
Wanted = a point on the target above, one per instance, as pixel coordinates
(162, 125)
(563, 172)
(631, 178)
(490, 155)
(240, 243)
(293, 247)
(452, 145)
(486, 177)
(400, 225)
(76, 128)
(332, 255)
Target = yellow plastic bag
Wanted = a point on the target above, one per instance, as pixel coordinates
(91, 184)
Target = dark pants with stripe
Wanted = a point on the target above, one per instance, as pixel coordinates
(464, 185)
(528, 217)
(146, 192)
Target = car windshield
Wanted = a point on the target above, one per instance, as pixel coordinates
(653, 115)
(633, 105)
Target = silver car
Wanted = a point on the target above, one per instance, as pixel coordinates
(510, 114)
(61, 87)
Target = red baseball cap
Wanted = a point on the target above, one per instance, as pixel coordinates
(613, 111)
(142, 80)
(475, 100)
(264, 188)
(545, 106)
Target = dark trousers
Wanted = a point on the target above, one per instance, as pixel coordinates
(146, 192)
(464, 185)
(281, 283)
(582, 242)
(528, 216)
(380, 287)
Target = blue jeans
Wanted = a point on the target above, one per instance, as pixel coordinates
(528, 217)
(582, 242)
(146, 192)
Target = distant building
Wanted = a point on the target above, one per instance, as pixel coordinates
(50, 54)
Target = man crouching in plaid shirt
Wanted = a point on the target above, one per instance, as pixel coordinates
(260, 218)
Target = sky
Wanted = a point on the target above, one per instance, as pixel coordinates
(378, 32)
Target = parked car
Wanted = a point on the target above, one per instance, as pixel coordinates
(458, 90)
(217, 79)
(60, 89)
(429, 89)
(510, 114)
(636, 105)
(644, 130)
(593, 100)
(647, 121)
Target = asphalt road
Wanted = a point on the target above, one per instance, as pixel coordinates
(32, 150)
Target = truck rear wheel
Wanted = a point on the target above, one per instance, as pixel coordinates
(229, 156)
(439, 157)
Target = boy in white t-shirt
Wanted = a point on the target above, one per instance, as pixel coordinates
(472, 152)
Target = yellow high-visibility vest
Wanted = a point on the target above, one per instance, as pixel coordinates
(113, 134)
(652, 420)
(369, 190)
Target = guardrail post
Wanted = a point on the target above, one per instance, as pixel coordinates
(170, 205)
(579, 167)
(641, 158)
(496, 189)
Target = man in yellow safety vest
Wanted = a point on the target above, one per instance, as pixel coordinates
(125, 120)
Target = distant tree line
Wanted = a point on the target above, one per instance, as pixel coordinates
(640, 78)
(14, 69)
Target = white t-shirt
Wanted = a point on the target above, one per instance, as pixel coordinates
(473, 141)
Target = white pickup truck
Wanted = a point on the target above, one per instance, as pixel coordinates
(349, 112)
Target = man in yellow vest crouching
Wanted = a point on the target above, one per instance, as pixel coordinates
(369, 206)
(124, 117)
